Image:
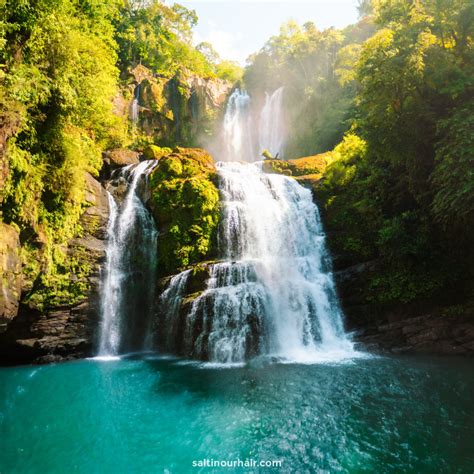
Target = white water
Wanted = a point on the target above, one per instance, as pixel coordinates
(128, 283)
(247, 133)
(237, 127)
(170, 302)
(274, 294)
(134, 109)
(271, 124)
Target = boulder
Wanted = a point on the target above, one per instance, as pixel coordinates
(184, 200)
(114, 159)
(153, 152)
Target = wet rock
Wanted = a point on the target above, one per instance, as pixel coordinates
(177, 329)
(10, 274)
(68, 331)
(430, 333)
(114, 159)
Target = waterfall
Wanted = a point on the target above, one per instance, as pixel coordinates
(134, 107)
(241, 141)
(273, 293)
(130, 271)
(169, 305)
(238, 128)
(271, 125)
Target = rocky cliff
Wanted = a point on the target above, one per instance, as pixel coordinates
(61, 332)
(428, 327)
(172, 111)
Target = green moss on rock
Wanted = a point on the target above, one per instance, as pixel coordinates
(308, 170)
(154, 152)
(185, 203)
(308, 165)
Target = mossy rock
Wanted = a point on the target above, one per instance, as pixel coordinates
(277, 166)
(185, 203)
(154, 152)
(311, 167)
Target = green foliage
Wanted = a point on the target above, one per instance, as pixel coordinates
(317, 69)
(160, 37)
(453, 175)
(185, 203)
(402, 191)
(229, 71)
(58, 78)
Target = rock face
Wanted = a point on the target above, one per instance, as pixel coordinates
(422, 328)
(431, 333)
(184, 200)
(67, 331)
(177, 110)
(176, 331)
(10, 276)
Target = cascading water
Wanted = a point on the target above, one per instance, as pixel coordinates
(130, 271)
(274, 292)
(134, 107)
(242, 140)
(238, 139)
(271, 125)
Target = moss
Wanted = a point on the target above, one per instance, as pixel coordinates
(61, 279)
(277, 166)
(154, 152)
(310, 167)
(46, 203)
(185, 203)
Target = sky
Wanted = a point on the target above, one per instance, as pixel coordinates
(237, 29)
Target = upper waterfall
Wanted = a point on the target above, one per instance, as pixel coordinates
(134, 107)
(247, 131)
(271, 124)
(238, 128)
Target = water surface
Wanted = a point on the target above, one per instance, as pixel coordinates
(158, 415)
